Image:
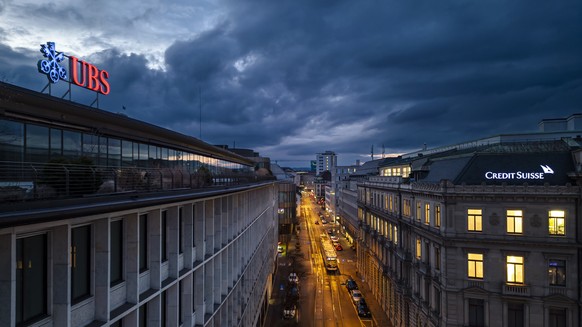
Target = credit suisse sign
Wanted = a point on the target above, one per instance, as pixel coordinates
(83, 74)
(519, 174)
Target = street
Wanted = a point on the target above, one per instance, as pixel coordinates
(324, 300)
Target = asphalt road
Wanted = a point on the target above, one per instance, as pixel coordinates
(324, 300)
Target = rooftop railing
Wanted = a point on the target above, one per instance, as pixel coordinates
(26, 181)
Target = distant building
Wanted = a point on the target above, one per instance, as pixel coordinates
(481, 233)
(325, 161)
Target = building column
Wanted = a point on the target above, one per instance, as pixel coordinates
(131, 257)
(155, 249)
(102, 236)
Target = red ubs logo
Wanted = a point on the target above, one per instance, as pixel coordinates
(87, 75)
(82, 74)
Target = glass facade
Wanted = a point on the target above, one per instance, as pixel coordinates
(28, 142)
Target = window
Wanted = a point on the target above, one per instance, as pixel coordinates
(475, 268)
(180, 231)
(437, 258)
(418, 210)
(143, 243)
(557, 272)
(407, 208)
(418, 248)
(437, 300)
(437, 216)
(143, 315)
(80, 263)
(116, 254)
(474, 220)
(164, 237)
(515, 269)
(427, 213)
(556, 222)
(395, 234)
(515, 315)
(476, 313)
(31, 278)
(164, 303)
(514, 221)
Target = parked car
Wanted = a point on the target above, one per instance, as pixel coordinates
(338, 247)
(329, 231)
(356, 295)
(334, 238)
(351, 285)
(289, 310)
(323, 221)
(363, 310)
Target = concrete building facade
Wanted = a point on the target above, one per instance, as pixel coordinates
(109, 221)
(325, 161)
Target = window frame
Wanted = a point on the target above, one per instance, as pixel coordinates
(474, 220)
(516, 221)
(555, 221)
(518, 269)
(476, 265)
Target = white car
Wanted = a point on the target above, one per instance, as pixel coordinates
(334, 238)
(356, 295)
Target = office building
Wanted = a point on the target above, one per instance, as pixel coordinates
(483, 233)
(109, 221)
(325, 162)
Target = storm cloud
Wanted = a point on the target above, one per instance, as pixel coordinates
(293, 78)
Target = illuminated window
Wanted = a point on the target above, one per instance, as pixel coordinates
(418, 210)
(514, 221)
(437, 216)
(475, 268)
(557, 272)
(557, 223)
(395, 234)
(407, 208)
(474, 220)
(418, 248)
(427, 213)
(515, 269)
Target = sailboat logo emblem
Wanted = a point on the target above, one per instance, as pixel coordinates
(547, 169)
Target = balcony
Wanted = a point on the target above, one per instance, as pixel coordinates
(475, 283)
(513, 289)
(558, 290)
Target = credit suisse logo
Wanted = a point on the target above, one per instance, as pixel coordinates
(519, 174)
(83, 74)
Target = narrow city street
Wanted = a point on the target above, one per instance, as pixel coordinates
(324, 299)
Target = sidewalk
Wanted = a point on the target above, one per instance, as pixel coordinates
(378, 314)
(285, 265)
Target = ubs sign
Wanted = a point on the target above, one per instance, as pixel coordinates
(83, 74)
(519, 174)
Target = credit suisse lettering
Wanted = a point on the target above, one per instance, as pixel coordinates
(516, 175)
(91, 77)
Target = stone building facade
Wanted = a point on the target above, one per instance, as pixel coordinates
(481, 236)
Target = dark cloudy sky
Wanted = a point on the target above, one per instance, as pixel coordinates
(293, 78)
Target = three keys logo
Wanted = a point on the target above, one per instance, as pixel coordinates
(50, 66)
